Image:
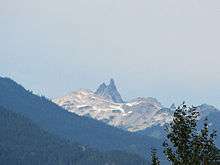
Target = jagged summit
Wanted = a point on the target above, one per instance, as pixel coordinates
(106, 105)
(112, 83)
(173, 107)
(109, 92)
(101, 88)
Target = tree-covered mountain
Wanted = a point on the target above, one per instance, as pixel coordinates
(23, 142)
(59, 122)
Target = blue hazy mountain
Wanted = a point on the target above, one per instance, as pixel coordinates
(59, 122)
(23, 142)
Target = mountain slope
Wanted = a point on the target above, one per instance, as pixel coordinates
(22, 142)
(135, 115)
(58, 121)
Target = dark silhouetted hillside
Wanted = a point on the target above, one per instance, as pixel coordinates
(22, 142)
(58, 121)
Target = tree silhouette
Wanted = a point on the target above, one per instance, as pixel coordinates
(154, 158)
(184, 143)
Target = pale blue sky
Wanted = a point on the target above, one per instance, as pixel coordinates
(168, 49)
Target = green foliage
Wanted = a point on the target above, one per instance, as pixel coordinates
(154, 158)
(184, 143)
(204, 146)
(216, 161)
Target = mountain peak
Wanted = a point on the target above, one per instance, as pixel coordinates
(173, 107)
(112, 86)
(109, 92)
(112, 82)
(101, 88)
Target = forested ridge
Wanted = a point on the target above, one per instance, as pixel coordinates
(77, 129)
(23, 142)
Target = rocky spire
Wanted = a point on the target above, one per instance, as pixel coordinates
(173, 107)
(101, 88)
(109, 92)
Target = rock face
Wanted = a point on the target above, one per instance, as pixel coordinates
(109, 92)
(107, 105)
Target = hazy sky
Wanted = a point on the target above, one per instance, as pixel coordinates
(168, 49)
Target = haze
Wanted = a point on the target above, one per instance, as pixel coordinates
(168, 49)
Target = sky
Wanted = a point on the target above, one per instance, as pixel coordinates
(167, 49)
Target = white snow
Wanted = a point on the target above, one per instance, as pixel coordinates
(102, 108)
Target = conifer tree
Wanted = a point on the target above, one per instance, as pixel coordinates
(184, 144)
(204, 146)
(154, 158)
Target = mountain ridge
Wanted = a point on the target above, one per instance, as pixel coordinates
(23, 142)
(58, 121)
(135, 115)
